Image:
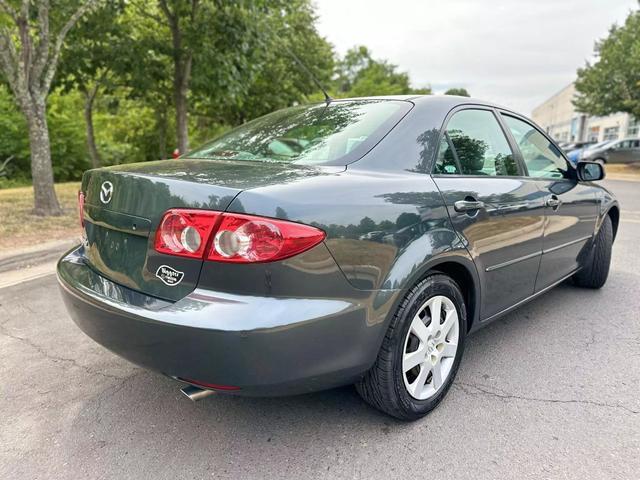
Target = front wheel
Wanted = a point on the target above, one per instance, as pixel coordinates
(421, 351)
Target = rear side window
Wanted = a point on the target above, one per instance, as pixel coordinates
(475, 144)
(542, 158)
(337, 133)
(629, 144)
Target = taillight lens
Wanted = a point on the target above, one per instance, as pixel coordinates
(248, 239)
(185, 232)
(233, 238)
(81, 208)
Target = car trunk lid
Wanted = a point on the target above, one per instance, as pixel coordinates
(124, 205)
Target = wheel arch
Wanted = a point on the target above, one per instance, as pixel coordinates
(460, 267)
(467, 280)
(614, 214)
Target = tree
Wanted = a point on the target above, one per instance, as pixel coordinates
(279, 81)
(96, 49)
(612, 83)
(31, 40)
(358, 74)
(212, 43)
(461, 92)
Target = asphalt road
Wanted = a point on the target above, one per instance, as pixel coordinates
(550, 391)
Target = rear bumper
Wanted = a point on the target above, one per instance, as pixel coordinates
(264, 345)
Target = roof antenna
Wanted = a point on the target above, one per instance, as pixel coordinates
(327, 98)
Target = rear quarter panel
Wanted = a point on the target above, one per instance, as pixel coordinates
(381, 227)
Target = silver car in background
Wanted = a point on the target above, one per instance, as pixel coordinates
(621, 151)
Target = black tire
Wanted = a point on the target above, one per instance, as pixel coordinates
(383, 385)
(595, 270)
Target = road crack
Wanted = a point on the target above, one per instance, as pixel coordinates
(472, 389)
(54, 358)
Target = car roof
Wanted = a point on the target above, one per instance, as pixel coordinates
(426, 101)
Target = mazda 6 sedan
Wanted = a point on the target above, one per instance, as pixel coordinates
(356, 242)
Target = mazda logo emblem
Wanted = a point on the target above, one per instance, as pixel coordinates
(106, 192)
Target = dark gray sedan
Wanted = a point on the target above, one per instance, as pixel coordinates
(621, 151)
(356, 241)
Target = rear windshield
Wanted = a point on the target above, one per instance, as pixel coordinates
(335, 134)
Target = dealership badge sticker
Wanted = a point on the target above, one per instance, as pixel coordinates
(170, 276)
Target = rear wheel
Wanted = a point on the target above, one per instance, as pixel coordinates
(421, 351)
(596, 269)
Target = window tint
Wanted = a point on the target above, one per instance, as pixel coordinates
(478, 143)
(542, 158)
(334, 134)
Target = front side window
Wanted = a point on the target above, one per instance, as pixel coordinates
(542, 157)
(334, 134)
(476, 146)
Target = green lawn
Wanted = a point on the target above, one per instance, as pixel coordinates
(20, 228)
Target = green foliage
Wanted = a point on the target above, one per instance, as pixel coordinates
(243, 66)
(612, 83)
(66, 132)
(95, 48)
(359, 75)
(279, 81)
(14, 141)
(461, 92)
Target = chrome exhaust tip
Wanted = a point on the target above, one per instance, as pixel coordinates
(195, 393)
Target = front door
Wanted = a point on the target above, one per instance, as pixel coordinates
(498, 213)
(571, 207)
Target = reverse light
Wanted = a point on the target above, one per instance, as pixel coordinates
(185, 232)
(232, 238)
(249, 239)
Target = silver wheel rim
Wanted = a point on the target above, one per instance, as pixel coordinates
(430, 347)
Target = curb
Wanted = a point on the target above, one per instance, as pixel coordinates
(622, 177)
(26, 258)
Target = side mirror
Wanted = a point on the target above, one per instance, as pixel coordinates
(590, 171)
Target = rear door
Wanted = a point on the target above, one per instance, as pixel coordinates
(571, 207)
(622, 152)
(496, 210)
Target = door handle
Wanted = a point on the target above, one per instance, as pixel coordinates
(468, 205)
(554, 202)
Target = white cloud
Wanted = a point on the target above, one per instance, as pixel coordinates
(514, 52)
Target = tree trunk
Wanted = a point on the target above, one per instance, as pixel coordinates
(89, 97)
(182, 71)
(182, 60)
(45, 200)
(161, 128)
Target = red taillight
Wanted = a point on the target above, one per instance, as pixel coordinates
(81, 208)
(249, 239)
(185, 232)
(233, 238)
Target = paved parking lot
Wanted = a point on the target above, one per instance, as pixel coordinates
(550, 391)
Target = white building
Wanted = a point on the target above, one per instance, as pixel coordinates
(559, 118)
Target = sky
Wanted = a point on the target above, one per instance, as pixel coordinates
(516, 53)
